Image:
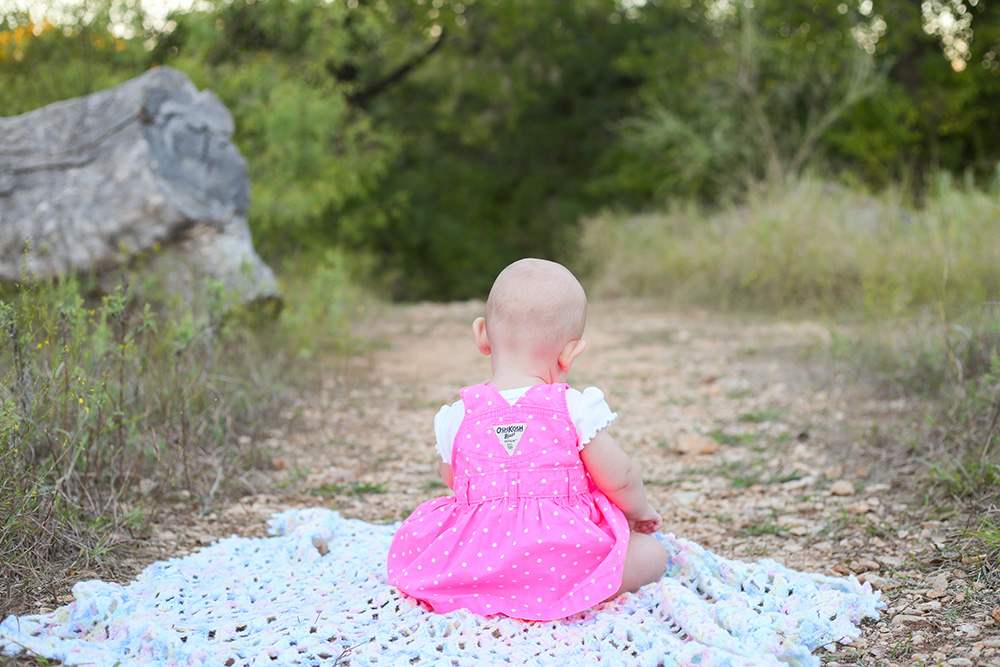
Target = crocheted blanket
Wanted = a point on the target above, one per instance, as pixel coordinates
(281, 601)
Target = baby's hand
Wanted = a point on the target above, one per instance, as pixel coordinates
(647, 522)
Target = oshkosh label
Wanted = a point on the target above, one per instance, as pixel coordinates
(509, 435)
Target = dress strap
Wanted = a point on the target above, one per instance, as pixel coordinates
(481, 397)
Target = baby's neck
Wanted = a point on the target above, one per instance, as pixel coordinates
(513, 378)
(504, 386)
(512, 371)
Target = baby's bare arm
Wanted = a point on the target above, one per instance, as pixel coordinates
(617, 477)
(446, 474)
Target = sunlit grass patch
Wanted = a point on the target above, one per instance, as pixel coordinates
(813, 247)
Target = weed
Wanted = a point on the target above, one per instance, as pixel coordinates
(741, 473)
(967, 460)
(761, 416)
(362, 488)
(433, 485)
(352, 489)
(882, 531)
(726, 439)
(989, 533)
(110, 404)
(787, 477)
(766, 526)
(901, 648)
(982, 547)
(322, 304)
(737, 394)
(839, 524)
(756, 550)
(742, 481)
(923, 354)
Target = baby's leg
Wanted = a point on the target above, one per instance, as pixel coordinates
(645, 561)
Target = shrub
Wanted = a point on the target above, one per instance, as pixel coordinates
(111, 405)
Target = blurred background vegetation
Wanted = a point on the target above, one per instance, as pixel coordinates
(433, 141)
(837, 159)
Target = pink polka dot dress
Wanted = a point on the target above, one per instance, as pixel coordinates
(527, 534)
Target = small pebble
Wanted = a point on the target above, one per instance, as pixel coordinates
(842, 488)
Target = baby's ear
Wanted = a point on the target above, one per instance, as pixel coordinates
(570, 351)
(482, 339)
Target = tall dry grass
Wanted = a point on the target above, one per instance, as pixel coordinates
(112, 406)
(816, 247)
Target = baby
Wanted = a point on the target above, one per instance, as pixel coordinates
(549, 515)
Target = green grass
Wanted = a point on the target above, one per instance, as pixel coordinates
(761, 416)
(351, 489)
(726, 439)
(962, 454)
(766, 526)
(926, 354)
(435, 485)
(981, 547)
(741, 474)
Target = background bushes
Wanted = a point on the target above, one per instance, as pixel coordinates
(436, 140)
(112, 408)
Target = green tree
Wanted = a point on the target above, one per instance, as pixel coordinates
(939, 109)
(98, 44)
(298, 77)
(502, 132)
(436, 140)
(746, 94)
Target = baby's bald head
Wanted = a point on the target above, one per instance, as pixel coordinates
(535, 304)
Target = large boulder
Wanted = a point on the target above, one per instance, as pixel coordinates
(142, 177)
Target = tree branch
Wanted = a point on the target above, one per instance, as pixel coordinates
(362, 97)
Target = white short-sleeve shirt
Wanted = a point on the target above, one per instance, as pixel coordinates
(587, 409)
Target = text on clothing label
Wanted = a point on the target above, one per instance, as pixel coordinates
(509, 435)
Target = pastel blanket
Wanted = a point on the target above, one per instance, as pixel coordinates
(281, 601)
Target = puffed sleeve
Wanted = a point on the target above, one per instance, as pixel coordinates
(589, 412)
(446, 423)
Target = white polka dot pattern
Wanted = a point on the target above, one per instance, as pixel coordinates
(538, 497)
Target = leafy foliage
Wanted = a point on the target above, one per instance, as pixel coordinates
(432, 141)
(291, 74)
(503, 132)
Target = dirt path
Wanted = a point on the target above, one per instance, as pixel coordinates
(790, 469)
